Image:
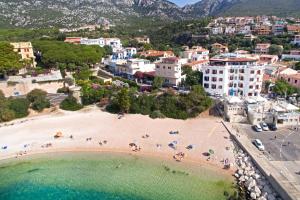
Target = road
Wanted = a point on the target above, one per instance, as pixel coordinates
(283, 152)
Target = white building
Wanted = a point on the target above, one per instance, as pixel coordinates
(135, 65)
(170, 70)
(233, 75)
(126, 53)
(296, 40)
(217, 30)
(196, 53)
(114, 43)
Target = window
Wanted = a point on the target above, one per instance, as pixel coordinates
(296, 81)
(252, 72)
(206, 85)
(251, 86)
(258, 71)
(221, 72)
(157, 67)
(213, 86)
(230, 84)
(231, 70)
(255, 94)
(164, 67)
(241, 78)
(214, 79)
(251, 79)
(257, 87)
(220, 79)
(242, 71)
(169, 67)
(250, 94)
(206, 78)
(207, 71)
(220, 87)
(214, 71)
(231, 78)
(289, 79)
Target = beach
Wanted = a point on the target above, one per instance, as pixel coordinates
(94, 130)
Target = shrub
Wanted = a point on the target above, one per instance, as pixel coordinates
(6, 115)
(38, 100)
(19, 107)
(157, 114)
(40, 104)
(70, 103)
(64, 90)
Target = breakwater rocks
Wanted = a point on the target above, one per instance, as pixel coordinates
(250, 178)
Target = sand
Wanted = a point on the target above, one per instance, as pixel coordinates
(204, 133)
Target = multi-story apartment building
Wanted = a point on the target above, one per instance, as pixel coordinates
(26, 51)
(196, 53)
(135, 65)
(126, 53)
(262, 30)
(219, 48)
(262, 48)
(156, 53)
(233, 75)
(294, 55)
(278, 29)
(170, 70)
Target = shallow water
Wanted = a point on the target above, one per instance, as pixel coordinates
(108, 176)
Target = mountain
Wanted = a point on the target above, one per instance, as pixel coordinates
(37, 13)
(66, 13)
(244, 7)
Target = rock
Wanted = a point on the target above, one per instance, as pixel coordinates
(253, 195)
(236, 175)
(242, 179)
(267, 189)
(261, 198)
(240, 172)
(257, 191)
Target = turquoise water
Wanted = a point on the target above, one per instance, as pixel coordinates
(108, 177)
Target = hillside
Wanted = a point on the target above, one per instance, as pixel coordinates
(45, 13)
(67, 13)
(244, 7)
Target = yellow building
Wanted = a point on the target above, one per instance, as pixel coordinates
(25, 50)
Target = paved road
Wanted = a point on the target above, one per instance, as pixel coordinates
(285, 147)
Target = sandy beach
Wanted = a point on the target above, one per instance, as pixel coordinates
(32, 134)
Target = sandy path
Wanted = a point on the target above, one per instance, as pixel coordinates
(204, 133)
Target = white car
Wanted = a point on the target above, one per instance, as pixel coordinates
(259, 144)
(257, 128)
(264, 126)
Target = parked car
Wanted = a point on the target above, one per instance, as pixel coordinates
(264, 126)
(273, 127)
(259, 145)
(257, 128)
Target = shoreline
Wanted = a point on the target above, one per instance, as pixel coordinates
(204, 133)
(201, 163)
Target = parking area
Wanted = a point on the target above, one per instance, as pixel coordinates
(280, 145)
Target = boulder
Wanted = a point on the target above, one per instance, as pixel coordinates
(261, 198)
(236, 175)
(253, 195)
(257, 191)
(242, 179)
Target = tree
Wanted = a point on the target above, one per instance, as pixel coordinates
(297, 66)
(157, 82)
(275, 49)
(70, 103)
(9, 60)
(108, 50)
(123, 100)
(38, 100)
(192, 77)
(19, 107)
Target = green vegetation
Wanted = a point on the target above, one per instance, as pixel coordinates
(283, 88)
(168, 104)
(157, 83)
(70, 103)
(9, 60)
(38, 100)
(192, 77)
(27, 34)
(70, 55)
(12, 108)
